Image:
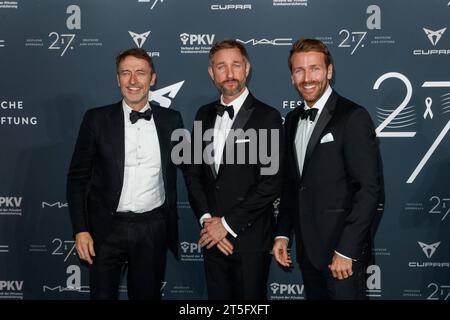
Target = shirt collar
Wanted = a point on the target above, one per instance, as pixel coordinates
(320, 104)
(238, 102)
(128, 109)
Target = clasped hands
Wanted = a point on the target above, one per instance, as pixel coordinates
(214, 233)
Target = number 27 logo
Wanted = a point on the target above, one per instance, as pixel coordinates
(381, 132)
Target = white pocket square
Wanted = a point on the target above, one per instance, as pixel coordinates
(327, 138)
(242, 140)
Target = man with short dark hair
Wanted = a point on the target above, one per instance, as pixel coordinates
(332, 184)
(121, 186)
(232, 192)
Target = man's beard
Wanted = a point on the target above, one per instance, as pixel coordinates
(233, 91)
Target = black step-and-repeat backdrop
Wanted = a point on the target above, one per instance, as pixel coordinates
(57, 61)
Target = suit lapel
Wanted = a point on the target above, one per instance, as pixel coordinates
(323, 120)
(209, 124)
(241, 120)
(244, 113)
(291, 134)
(163, 131)
(118, 139)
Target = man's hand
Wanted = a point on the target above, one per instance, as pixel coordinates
(85, 246)
(212, 233)
(280, 252)
(225, 246)
(341, 267)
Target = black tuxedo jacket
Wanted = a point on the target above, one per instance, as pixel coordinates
(96, 171)
(238, 192)
(333, 205)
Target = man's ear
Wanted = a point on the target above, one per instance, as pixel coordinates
(330, 72)
(153, 80)
(211, 72)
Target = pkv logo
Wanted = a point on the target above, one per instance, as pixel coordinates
(11, 289)
(434, 36)
(11, 206)
(289, 291)
(191, 252)
(429, 249)
(197, 39)
(196, 43)
(10, 202)
(11, 285)
(190, 247)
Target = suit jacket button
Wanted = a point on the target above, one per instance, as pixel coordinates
(302, 188)
(217, 187)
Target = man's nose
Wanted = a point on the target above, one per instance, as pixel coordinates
(133, 78)
(307, 76)
(230, 74)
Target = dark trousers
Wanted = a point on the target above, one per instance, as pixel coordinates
(138, 242)
(320, 284)
(241, 276)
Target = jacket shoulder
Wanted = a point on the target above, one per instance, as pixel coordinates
(292, 113)
(102, 111)
(347, 104)
(105, 108)
(205, 109)
(166, 111)
(264, 107)
(207, 106)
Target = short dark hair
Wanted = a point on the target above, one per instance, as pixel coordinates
(227, 44)
(307, 45)
(137, 53)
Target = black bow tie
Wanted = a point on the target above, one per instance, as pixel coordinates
(308, 113)
(135, 115)
(220, 109)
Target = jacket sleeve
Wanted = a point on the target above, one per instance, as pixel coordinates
(363, 161)
(288, 198)
(79, 174)
(194, 174)
(268, 186)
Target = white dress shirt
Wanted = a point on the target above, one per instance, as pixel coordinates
(304, 131)
(222, 127)
(306, 127)
(143, 185)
